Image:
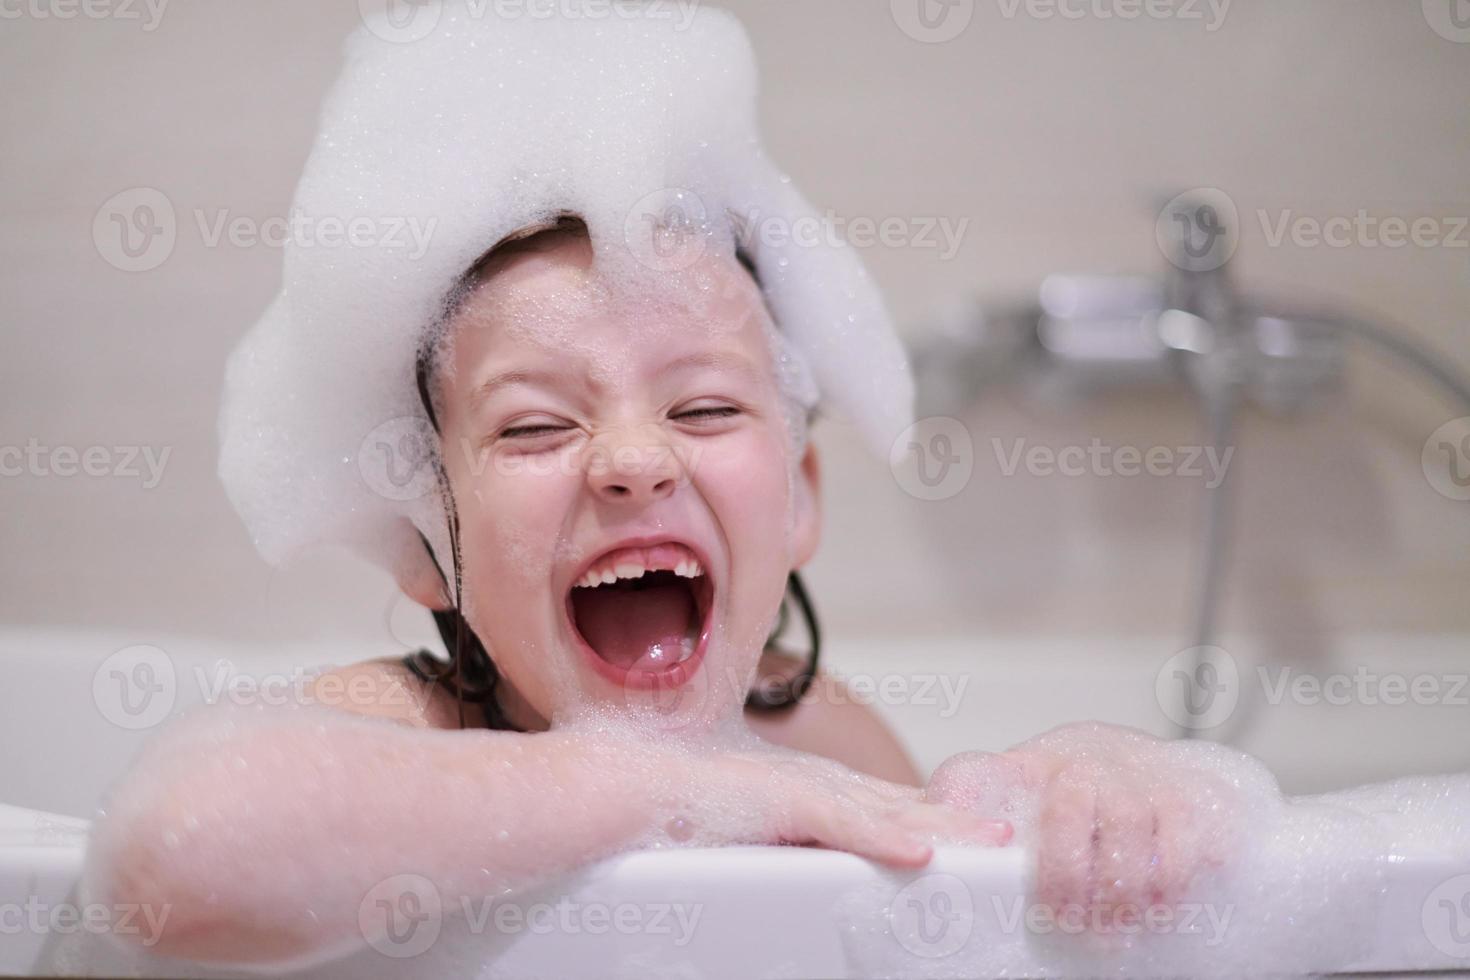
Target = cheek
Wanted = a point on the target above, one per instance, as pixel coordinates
(510, 507)
(749, 489)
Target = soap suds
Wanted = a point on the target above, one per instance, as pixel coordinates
(643, 125)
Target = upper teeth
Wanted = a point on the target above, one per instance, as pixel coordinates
(686, 568)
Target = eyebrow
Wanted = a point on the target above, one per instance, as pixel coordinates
(724, 360)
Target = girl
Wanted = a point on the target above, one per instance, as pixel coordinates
(622, 494)
(701, 513)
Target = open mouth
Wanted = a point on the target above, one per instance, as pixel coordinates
(642, 614)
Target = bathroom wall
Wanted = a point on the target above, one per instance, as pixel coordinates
(1053, 130)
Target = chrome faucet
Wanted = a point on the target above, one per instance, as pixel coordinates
(1085, 333)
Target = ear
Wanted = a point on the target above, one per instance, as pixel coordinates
(421, 581)
(808, 530)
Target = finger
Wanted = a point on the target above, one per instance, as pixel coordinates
(1183, 841)
(989, 783)
(1168, 870)
(889, 792)
(1125, 847)
(1065, 846)
(944, 824)
(844, 828)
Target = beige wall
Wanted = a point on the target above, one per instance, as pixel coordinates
(1054, 137)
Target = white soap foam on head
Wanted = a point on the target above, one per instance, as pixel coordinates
(643, 126)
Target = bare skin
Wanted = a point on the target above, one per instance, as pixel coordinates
(216, 823)
(214, 806)
(827, 723)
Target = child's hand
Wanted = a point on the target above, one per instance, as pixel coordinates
(1120, 820)
(812, 800)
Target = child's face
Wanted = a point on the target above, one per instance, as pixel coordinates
(618, 417)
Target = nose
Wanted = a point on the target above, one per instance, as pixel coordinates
(634, 465)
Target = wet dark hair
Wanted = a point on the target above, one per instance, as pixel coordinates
(469, 673)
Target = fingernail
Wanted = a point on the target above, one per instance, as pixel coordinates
(1001, 830)
(921, 852)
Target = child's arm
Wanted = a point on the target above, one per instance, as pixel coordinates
(260, 832)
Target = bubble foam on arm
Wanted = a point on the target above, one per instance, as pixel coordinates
(258, 835)
(259, 832)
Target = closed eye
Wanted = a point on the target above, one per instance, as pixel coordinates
(713, 412)
(531, 431)
(710, 413)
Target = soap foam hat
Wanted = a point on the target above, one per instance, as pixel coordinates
(432, 148)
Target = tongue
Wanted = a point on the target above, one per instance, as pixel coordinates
(631, 628)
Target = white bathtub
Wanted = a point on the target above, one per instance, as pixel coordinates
(760, 912)
(735, 912)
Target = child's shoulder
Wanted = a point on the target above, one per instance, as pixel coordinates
(386, 688)
(831, 721)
